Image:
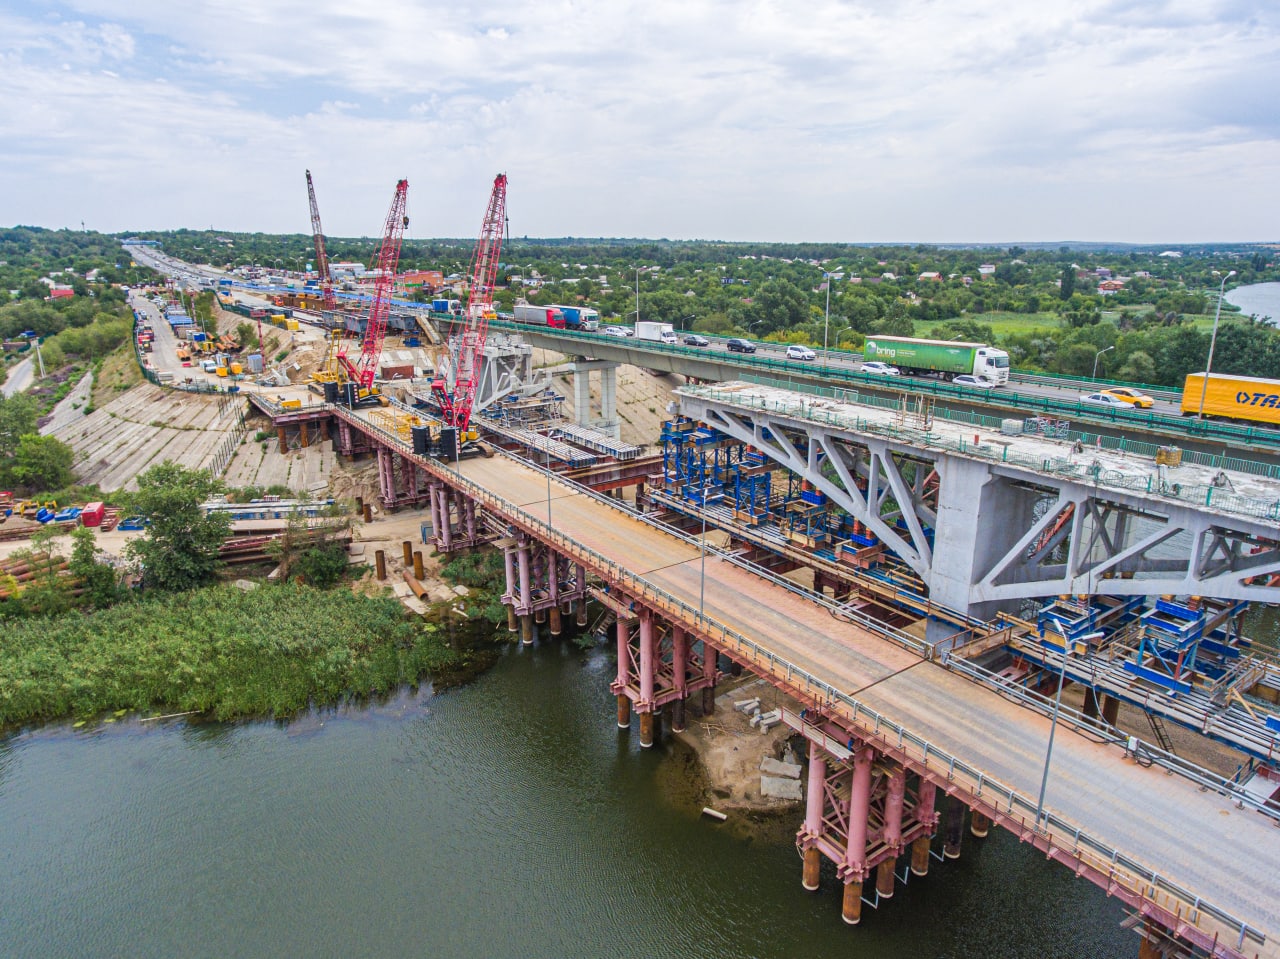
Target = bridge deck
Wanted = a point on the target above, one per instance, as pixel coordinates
(1195, 839)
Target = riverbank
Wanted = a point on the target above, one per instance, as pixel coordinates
(223, 652)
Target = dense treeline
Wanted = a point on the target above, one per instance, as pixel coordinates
(1044, 304)
(28, 253)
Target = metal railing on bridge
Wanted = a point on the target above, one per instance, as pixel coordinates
(1069, 841)
(1121, 417)
(1196, 495)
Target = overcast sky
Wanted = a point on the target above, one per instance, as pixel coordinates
(963, 120)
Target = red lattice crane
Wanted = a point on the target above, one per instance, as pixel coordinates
(365, 368)
(456, 407)
(322, 258)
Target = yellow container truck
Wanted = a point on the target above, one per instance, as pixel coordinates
(1250, 399)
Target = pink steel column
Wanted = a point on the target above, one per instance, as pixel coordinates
(624, 675)
(526, 598)
(385, 486)
(815, 798)
(709, 657)
(859, 811)
(471, 520)
(855, 856)
(580, 573)
(679, 671)
(926, 796)
(553, 590)
(644, 706)
(892, 831)
(513, 586)
(435, 510)
(446, 511)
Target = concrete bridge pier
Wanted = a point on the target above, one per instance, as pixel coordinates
(608, 417)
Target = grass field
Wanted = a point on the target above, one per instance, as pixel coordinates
(119, 372)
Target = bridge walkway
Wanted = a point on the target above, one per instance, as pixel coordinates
(1194, 840)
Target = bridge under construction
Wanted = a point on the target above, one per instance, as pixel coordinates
(918, 712)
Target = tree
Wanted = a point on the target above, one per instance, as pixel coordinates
(1068, 282)
(1139, 367)
(781, 305)
(42, 463)
(895, 321)
(100, 582)
(17, 419)
(180, 548)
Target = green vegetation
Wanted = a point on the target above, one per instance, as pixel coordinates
(1048, 305)
(221, 651)
(481, 572)
(29, 462)
(180, 548)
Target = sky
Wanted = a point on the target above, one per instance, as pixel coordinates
(915, 121)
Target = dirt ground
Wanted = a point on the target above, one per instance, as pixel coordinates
(730, 750)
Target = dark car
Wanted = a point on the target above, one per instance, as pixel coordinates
(693, 339)
(738, 345)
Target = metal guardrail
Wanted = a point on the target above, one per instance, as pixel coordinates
(1205, 430)
(1197, 495)
(1094, 726)
(1057, 834)
(1089, 385)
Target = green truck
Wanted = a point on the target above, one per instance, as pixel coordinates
(939, 357)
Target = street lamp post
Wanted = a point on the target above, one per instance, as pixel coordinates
(1057, 706)
(826, 322)
(1213, 338)
(702, 582)
(1095, 360)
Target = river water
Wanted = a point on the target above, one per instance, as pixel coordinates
(508, 817)
(1262, 299)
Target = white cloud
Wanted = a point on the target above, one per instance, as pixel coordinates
(846, 121)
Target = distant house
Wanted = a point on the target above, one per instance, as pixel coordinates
(1108, 287)
(967, 280)
(61, 292)
(986, 269)
(932, 277)
(421, 279)
(887, 276)
(1172, 254)
(1102, 272)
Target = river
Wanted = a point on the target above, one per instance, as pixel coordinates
(508, 817)
(1262, 299)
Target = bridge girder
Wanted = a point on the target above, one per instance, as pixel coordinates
(1001, 533)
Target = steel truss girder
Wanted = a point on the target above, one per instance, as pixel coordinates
(871, 461)
(1110, 543)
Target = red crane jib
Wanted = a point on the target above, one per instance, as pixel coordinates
(388, 261)
(322, 258)
(457, 407)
